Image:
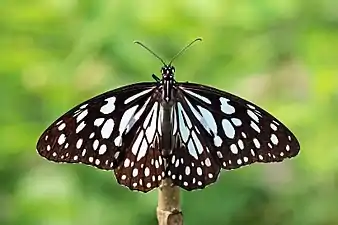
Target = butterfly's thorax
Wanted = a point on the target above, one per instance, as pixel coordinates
(167, 104)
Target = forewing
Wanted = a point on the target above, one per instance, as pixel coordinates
(237, 131)
(97, 132)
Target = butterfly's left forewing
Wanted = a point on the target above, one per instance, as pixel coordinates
(99, 131)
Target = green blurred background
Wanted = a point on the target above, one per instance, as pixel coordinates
(282, 55)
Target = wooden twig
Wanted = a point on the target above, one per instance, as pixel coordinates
(168, 209)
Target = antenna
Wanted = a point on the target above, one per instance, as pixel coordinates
(149, 50)
(183, 49)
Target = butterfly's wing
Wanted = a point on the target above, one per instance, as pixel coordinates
(215, 129)
(98, 132)
(143, 167)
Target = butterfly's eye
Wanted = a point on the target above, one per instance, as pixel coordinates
(173, 69)
(164, 70)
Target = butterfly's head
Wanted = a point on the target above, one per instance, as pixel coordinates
(168, 72)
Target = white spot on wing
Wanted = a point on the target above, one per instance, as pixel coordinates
(79, 143)
(62, 139)
(204, 99)
(137, 143)
(109, 107)
(209, 120)
(217, 141)
(150, 131)
(125, 123)
(184, 130)
(237, 122)
(80, 127)
(107, 128)
(274, 139)
(131, 98)
(174, 119)
(225, 106)
(192, 149)
(229, 130)
(82, 115)
(95, 144)
(234, 148)
(255, 127)
(62, 126)
(197, 142)
(253, 115)
(118, 141)
(273, 127)
(98, 122)
(256, 142)
(102, 149)
(143, 150)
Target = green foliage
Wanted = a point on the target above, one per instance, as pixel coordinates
(281, 54)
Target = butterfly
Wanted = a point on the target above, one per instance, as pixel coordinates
(150, 131)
